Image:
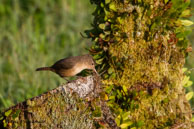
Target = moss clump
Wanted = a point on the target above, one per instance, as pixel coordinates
(142, 47)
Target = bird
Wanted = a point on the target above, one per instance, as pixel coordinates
(71, 66)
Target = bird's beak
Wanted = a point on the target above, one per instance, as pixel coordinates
(95, 71)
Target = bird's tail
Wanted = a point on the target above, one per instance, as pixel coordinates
(45, 69)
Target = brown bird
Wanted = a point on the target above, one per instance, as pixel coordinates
(71, 66)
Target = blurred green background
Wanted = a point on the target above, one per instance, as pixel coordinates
(35, 33)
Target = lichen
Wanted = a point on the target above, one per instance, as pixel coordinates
(51, 110)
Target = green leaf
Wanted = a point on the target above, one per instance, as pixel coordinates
(102, 5)
(189, 95)
(184, 69)
(105, 76)
(99, 61)
(107, 32)
(126, 115)
(124, 88)
(186, 22)
(107, 1)
(102, 26)
(126, 124)
(139, 1)
(185, 80)
(132, 104)
(192, 120)
(1, 118)
(119, 94)
(102, 36)
(185, 13)
(110, 70)
(16, 114)
(165, 1)
(112, 98)
(153, 26)
(183, 34)
(4, 123)
(188, 84)
(105, 97)
(113, 75)
(112, 6)
(183, 43)
(120, 20)
(118, 120)
(109, 88)
(106, 12)
(140, 123)
(96, 39)
(7, 113)
(97, 56)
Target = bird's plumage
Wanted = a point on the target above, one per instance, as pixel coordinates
(71, 66)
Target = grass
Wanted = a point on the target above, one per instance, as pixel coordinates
(35, 33)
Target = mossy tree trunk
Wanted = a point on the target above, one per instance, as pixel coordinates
(59, 108)
(140, 48)
(141, 45)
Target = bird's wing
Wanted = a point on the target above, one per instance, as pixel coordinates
(66, 63)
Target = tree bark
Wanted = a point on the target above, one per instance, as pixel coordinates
(140, 49)
(58, 108)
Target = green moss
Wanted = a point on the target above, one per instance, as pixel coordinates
(142, 50)
(50, 111)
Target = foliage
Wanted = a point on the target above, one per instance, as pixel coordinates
(32, 31)
(140, 47)
(190, 58)
(187, 83)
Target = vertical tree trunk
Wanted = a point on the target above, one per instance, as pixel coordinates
(141, 45)
(140, 48)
